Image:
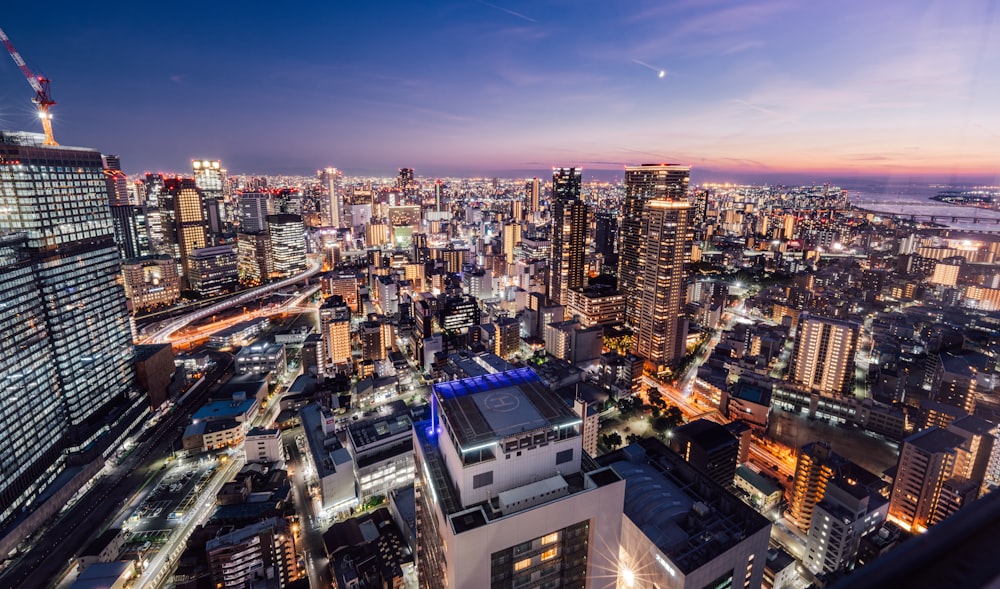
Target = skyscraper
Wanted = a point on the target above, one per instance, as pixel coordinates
(208, 179)
(406, 182)
(534, 191)
(65, 362)
(331, 204)
(187, 230)
(254, 209)
(658, 293)
(569, 234)
(288, 244)
(606, 239)
(823, 360)
(643, 184)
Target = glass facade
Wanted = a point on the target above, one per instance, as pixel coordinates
(67, 340)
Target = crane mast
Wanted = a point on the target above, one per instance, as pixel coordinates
(40, 84)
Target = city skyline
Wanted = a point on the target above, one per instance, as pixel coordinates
(760, 90)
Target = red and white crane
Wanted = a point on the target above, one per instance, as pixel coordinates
(40, 84)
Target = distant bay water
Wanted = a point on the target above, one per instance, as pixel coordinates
(916, 200)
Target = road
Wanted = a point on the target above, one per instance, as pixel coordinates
(183, 337)
(162, 335)
(311, 533)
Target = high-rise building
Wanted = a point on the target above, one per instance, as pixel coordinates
(406, 182)
(438, 195)
(131, 225)
(504, 494)
(333, 201)
(816, 466)
(254, 208)
(214, 270)
(823, 359)
(511, 238)
(939, 472)
(117, 182)
(847, 512)
(606, 239)
(658, 292)
(254, 262)
(507, 341)
(372, 343)
(67, 346)
(643, 184)
(288, 244)
(186, 230)
(569, 234)
(208, 177)
(335, 324)
(534, 193)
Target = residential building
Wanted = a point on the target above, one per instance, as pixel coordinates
(823, 358)
(659, 291)
(643, 184)
(569, 234)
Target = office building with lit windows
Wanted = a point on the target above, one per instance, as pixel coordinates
(643, 184)
(288, 244)
(332, 202)
(65, 362)
(254, 208)
(186, 229)
(505, 495)
(151, 281)
(659, 289)
(213, 270)
(569, 234)
(209, 177)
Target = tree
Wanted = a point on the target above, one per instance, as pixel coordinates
(656, 401)
(632, 438)
(673, 416)
(612, 440)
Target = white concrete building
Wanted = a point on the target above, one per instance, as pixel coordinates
(382, 449)
(504, 495)
(331, 461)
(263, 445)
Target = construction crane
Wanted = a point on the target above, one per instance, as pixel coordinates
(43, 100)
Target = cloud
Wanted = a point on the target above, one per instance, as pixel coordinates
(509, 11)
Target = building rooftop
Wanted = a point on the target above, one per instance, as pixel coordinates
(688, 517)
(935, 440)
(706, 433)
(241, 535)
(223, 410)
(760, 482)
(486, 408)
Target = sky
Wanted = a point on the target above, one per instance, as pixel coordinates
(905, 88)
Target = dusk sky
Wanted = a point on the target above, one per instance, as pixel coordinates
(465, 87)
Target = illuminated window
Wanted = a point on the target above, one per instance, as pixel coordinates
(553, 537)
(549, 554)
(522, 564)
